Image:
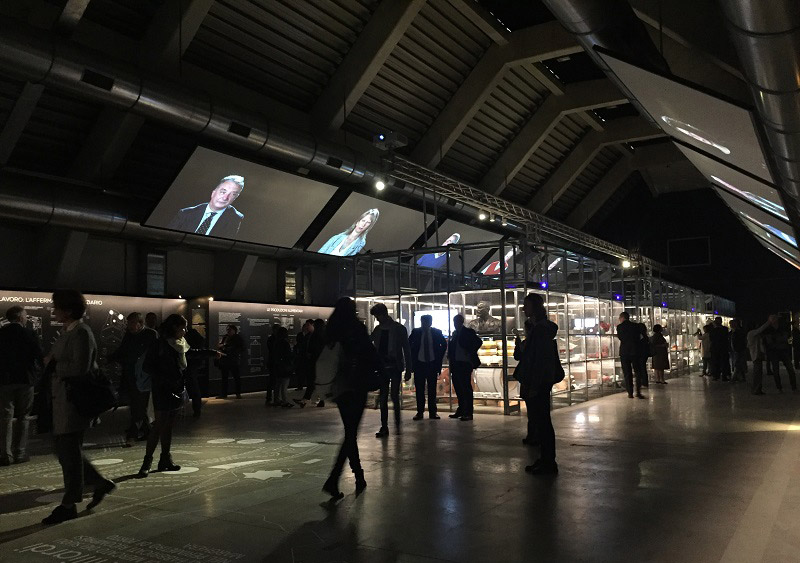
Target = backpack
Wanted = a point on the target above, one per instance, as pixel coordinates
(558, 370)
(329, 366)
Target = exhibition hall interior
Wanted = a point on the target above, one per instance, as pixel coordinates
(406, 281)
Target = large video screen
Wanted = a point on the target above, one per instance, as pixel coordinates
(706, 122)
(221, 196)
(773, 244)
(738, 184)
(366, 223)
(453, 232)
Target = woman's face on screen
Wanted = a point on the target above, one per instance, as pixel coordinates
(363, 224)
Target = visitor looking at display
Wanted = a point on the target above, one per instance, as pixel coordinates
(428, 347)
(629, 335)
(779, 350)
(738, 340)
(462, 352)
(391, 341)
(660, 352)
(755, 345)
(720, 351)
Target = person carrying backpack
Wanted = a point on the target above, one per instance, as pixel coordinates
(357, 363)
(541, 368)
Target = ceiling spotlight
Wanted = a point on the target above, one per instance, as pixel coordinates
(626, 263)
(482, 216)
(211, 298)
(491, 217)
(504, 221)
(379, 185)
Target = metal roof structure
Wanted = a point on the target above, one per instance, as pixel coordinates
(488, 94)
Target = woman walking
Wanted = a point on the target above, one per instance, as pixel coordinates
(166, 362)
(660, 351)
(357, 360)
(75, 356)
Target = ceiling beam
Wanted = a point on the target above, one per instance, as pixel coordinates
(577, 97)
(600, 193)
(28, 99)
(622, 130)
(361, 64)
(162, 48)
(483, 20)
(534, 44)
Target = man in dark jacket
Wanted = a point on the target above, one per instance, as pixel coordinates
(629, 335)
(232, 346)
(539, 366)
(462, 352)
(779, 351)
(20, 362)
(391, 340)
(218, 217)
(135, 381)
(720, 351)
(738, 339)
(428, 347)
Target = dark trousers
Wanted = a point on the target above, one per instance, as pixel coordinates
(643, 371)
(390, 384)
(137, 405)
(270, 385)
(782, 357)
(539, 405)
(161, 432)
(532, 435)
(720, 365)
(193, 390)
(76, 469)
(312, 378)
(237, 382)
(351, 408)
(631, 364)
(758, 370)
(461, 376)
(740, 365)
(16, 402)
(706, 365)
(426, 373)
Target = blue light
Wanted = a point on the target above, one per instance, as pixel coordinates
(692, 309)
(663, 304)
(543, 285)
(381, 137)
(618, 297)
(716, 312)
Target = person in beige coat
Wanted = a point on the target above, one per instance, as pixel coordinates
(75, 355)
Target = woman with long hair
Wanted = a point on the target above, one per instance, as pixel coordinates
(74, 355)
(166, 363)
(351, 241)
(358, 358)
(660, 351)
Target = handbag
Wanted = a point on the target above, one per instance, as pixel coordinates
(92, 394)
(328, 366)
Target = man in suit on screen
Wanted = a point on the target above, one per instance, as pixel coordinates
(218, 217)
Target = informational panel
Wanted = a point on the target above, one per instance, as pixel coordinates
(453, 232)
(702, 120)
(366, 223)
(255, 321)
(251, 202)
(741, 185)
(105, 314)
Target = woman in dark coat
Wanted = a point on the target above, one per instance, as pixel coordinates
(166, 363)
(358, 359)
(284, 366)
(660, 351)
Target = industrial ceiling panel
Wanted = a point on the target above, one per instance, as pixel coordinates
(287, 49)
(10, 90)
(55, 133)
(128, 17)
(584, 183)
(425, 69)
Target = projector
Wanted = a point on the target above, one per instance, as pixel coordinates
(389, 140)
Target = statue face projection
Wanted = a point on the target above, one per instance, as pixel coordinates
(482, 309)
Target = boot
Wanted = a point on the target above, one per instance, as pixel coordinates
(145, 469)
(361, 483)
(332, 488)
(165, 463)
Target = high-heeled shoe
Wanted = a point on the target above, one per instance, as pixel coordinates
(165, 463)
(144, 471)
(332, 488)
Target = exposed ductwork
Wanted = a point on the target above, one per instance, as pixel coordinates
(41, 58)
(767, 39)
(613, 26)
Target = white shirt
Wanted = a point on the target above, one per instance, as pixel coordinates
(426, 344)
(208, 212)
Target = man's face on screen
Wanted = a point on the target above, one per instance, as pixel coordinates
(223, 195)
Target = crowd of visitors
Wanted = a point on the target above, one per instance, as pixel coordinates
(338, 361)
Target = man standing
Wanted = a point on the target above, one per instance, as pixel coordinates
(462, 352)
(20, 361)
(739, 350)
(428, 347)
(629, 335)
(231, 349)
(755, 344)
(302, 357)
(391, 340)
(272, 368)
(540, 365)
(135, 381)
(151, 322)
(217, 217)
(779, 351)
(720, 351)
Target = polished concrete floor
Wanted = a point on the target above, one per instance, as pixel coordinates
(700, 471)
